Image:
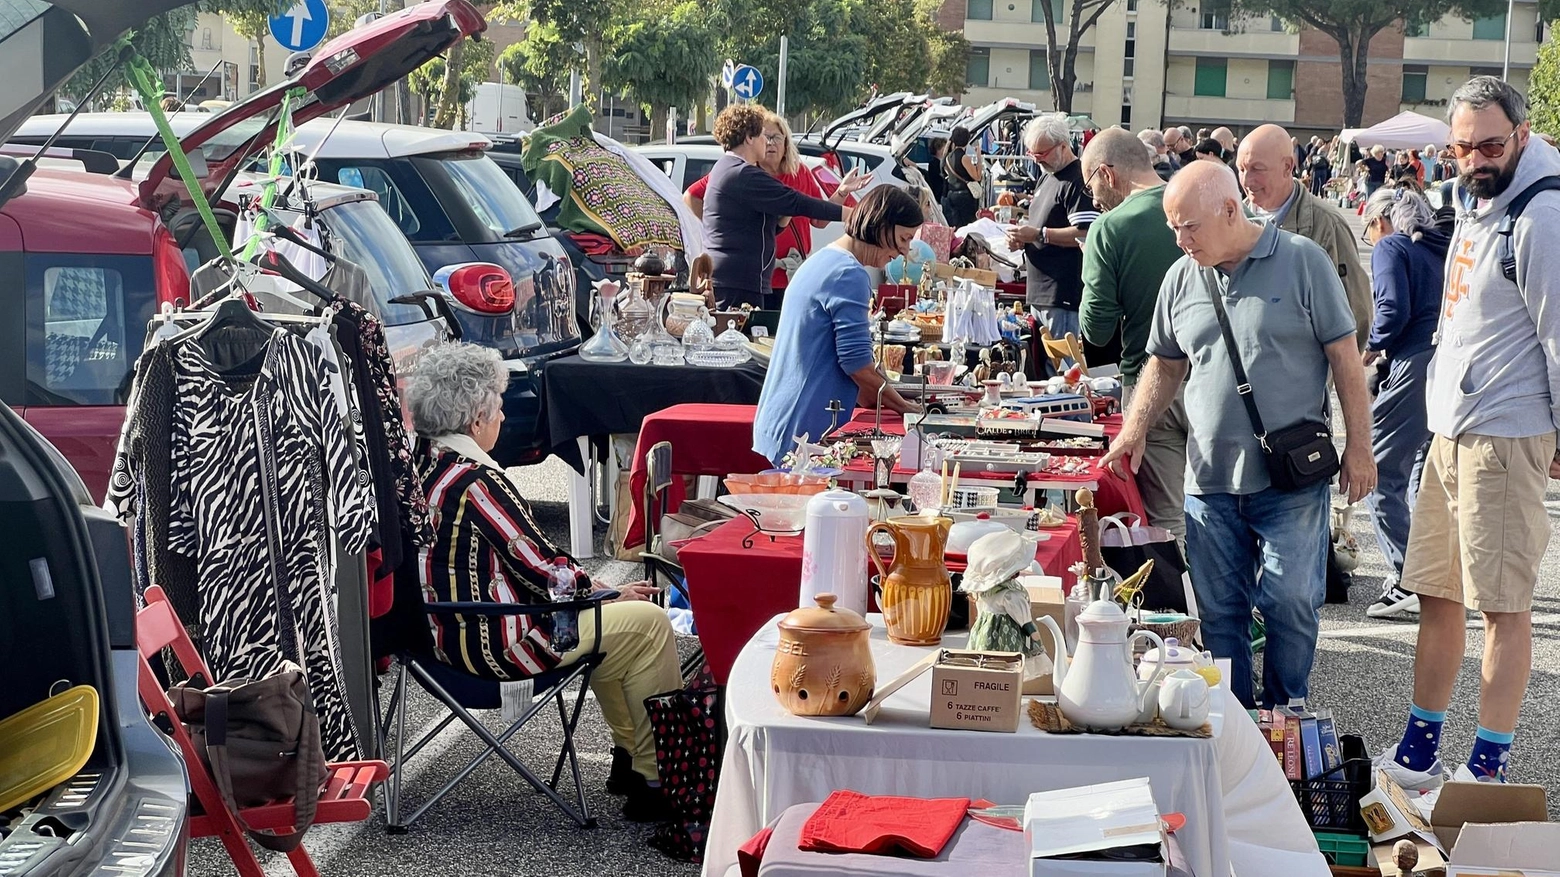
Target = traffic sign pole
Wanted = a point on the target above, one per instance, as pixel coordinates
(785, 55)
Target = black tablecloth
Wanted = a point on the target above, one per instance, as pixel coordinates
(602, 398)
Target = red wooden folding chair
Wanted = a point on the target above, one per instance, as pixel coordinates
(345, 795)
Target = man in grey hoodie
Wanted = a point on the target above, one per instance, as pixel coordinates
(1479, 527)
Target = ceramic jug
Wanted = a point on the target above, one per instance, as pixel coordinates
(916, 591)
(834, 550)
(1096, 688)
(1183, 700)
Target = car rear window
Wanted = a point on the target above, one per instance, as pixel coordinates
(365, 235)
(491, 195)
(86, 324)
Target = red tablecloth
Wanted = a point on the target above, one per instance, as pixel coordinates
(734, 590)
(706, 440)
(1113, 495)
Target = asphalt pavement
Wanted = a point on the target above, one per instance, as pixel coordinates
(493, 824)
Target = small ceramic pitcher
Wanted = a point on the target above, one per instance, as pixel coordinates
(1183, 700)
(917, 591)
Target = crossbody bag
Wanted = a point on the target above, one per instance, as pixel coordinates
(1297, 456)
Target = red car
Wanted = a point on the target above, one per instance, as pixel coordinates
(87, 260)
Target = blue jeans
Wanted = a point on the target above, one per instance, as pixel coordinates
(1060, 321)
(1268, 550)
(1400, 437)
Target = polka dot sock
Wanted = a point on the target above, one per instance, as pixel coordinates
(1421, 742)
(1491, 749)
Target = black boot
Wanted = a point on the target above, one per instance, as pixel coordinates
(622, 779)
(646, 803)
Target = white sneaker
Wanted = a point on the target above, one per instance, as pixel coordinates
(1414, 782)
(1463, 775)
(1396, 603)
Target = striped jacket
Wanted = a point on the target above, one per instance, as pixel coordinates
(488, 548)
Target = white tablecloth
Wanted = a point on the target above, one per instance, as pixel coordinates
(1236, 801)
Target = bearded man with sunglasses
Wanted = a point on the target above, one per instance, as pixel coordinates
(1493, 398)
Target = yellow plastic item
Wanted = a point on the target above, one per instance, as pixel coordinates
(1210, 674)
(46, 744)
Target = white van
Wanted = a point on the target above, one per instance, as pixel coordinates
(498, 109)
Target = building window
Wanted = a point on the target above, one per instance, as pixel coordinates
(1132, 5)
(1126, 115)
(978, 10)
(1131, 49)
(1211, 75)
(1414, 76)
(1281, 80)
(1037, 11)
(1490, 28)
(1484, 71)
(1127, 66)
(977, 69)
(1216, 20)
(1131, 30)
(1039, 74)
(1276, 25)
(1538, 30)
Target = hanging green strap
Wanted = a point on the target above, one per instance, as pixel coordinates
(149, 84)
(274, 171)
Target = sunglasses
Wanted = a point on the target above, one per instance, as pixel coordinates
(1488, 149)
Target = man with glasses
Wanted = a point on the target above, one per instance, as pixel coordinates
(1479, 526)
(1059, 216)
(1250, 543)
(1130, 249)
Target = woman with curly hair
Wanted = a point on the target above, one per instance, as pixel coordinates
(743, 206)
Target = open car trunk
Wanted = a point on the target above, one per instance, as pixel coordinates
(69, 620)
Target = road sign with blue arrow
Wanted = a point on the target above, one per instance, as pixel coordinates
(747, 82)
(302, 27)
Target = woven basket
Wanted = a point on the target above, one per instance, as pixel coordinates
(1184, 631)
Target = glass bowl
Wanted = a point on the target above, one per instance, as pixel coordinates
(779, 514)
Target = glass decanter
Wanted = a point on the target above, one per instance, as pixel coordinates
(637, 312)
(605, 345)
(925, 488)
(664, 349)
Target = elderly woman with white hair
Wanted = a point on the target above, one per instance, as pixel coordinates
(488, 548)
(1407, 269)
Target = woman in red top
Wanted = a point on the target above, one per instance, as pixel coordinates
(793, 242)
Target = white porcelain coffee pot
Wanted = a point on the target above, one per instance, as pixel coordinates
(1097, 687)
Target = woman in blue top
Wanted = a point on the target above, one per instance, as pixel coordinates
(823, 347)
(1407, 265)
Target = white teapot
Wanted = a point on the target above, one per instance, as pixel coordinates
(1097, 688)
(1183, 700)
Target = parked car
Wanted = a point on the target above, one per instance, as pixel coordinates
(64, 568)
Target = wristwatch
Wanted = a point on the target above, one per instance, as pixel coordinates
(1043, 230)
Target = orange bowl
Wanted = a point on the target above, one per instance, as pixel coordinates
(776, 483)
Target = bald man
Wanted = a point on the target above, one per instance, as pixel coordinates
(1266, 165)
(1226, 139)
(1249, 543)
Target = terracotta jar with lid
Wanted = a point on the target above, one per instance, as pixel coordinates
(823, 664)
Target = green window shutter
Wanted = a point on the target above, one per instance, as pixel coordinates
(1414, 77)
(1211, 76)
(1491, 28)
(1039, 74)
(977, 69)
(978, 10)
(1281, 80)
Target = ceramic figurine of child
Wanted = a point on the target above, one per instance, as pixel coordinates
(1006, 622)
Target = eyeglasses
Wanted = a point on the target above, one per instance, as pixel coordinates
(774, 138)
(1039, 155)
(1089, 183)
(1488, 149)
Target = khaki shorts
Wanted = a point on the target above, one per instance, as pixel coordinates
(1480, 527)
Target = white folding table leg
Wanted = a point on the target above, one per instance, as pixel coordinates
(581, 532)
(707, 487)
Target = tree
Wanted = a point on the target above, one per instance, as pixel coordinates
(545, 81)
(1062, 61)
(1352, 24)
(1544, 90)
(664, 57)
(448, 84)
(573, 22)
(253, 24)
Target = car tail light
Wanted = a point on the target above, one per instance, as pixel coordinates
(172, 275)
(478, 286)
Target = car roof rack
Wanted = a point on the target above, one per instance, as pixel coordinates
(93, 161)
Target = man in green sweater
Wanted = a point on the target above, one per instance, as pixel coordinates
(1130, 248)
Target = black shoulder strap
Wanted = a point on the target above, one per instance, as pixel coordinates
(1242, 383)
(1508, 223)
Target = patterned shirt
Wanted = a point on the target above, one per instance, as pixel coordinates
(487, 547)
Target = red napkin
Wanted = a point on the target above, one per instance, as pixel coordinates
(751, 854)
(850, 822)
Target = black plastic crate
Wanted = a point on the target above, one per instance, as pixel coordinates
(1331, 800)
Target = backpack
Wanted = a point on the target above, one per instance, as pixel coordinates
(1507, 249)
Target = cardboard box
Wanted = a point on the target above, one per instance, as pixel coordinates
(1045, 599)
(1074, 823)
(977, 691)
(1390, 814)
(982, 276)
(1529, 849)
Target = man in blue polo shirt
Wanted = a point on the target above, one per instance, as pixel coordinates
(1250, 544)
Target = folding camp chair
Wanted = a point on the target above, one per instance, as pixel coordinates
(658, 567)
(345, 794)
(462, 692)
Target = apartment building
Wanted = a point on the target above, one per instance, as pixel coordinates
(1147, 63)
